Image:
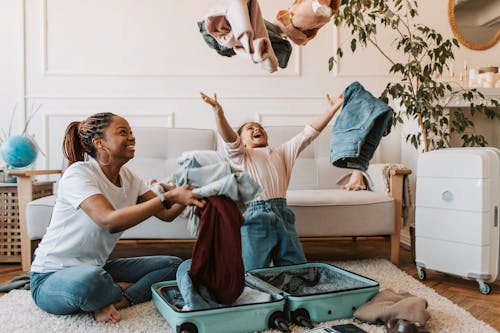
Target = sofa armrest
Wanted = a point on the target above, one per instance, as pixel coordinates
(25, 195)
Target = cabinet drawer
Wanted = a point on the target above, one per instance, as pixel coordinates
(454, 258)
(451, 225)
(450, 193)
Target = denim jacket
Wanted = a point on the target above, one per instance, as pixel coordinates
(363, 121)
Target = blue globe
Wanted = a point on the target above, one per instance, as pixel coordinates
(19, 151)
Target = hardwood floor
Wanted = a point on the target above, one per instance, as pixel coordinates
(463, 292)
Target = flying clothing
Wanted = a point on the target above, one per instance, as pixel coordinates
(302, 21)
(238, 24)
(360, 126)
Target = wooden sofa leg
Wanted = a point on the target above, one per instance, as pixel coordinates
(396, 178)
(395, 239)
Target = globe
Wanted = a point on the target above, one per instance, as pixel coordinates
(19, 151)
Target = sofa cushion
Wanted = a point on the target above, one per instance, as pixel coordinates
(158, 148)
(154, 228)
(38, 214)
(334, 197)
(332, 213)
(312, 169)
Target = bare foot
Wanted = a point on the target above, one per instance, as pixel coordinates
(108, 314)
(356, 182)
(123, 302)
(124, 285)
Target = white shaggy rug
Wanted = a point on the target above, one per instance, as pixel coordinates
(18, 313)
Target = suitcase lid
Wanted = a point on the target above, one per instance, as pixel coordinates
(474, 162)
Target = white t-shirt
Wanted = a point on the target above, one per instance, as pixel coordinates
(270, 167)
(73, 238)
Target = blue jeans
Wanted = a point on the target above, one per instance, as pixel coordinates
(268, 234)
(90, 288)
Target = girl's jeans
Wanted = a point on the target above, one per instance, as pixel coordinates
(268, 234)
(90, 288)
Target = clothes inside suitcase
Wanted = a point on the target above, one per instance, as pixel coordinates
(242, 318)
(305, 293)
(315, 291)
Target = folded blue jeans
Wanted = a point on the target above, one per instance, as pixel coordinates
(89, 288)
(268, 234)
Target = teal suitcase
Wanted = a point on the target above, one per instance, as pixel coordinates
(334, 294)
(231, 319)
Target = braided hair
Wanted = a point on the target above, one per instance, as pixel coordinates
(79, 134)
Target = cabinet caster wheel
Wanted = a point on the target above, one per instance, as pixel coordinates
(422, 275)
(484, 288)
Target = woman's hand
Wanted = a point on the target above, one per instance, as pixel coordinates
(184, 195)
(212, 102)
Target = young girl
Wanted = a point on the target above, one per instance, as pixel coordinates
(268, 232)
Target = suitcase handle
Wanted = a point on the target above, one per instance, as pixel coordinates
(495, 217)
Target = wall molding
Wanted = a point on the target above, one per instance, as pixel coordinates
(47, 72)
(260, 117)
(128, 97)
(21, 95)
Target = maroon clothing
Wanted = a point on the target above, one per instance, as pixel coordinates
(216, 260)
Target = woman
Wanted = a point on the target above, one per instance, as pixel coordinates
(97, 200)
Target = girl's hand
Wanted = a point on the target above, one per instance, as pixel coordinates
(336, 103)
(168, 186)
(211, 101)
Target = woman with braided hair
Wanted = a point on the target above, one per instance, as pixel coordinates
(98, 198)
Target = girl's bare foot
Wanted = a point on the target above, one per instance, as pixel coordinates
(108, 314)
(356, 182)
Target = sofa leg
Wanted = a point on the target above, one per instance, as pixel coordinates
(395, 239)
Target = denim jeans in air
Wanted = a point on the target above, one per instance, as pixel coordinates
(268, 234)
(90, 288)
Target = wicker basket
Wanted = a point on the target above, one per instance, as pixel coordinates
(10, 232)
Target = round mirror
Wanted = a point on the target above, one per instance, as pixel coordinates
(475, 23)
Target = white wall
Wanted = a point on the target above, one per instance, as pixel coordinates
(146, 60)
(10, 67)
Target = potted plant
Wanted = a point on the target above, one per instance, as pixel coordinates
(419, 92)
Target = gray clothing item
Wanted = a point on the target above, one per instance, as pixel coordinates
(309, 281)
(220, 178)
(19, 282)
(281, 46)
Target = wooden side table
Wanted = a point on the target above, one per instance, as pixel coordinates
(27, 190)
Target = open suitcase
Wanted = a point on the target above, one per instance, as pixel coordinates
(231, 319)
(339, 297)
(456, 219)
(315, 292)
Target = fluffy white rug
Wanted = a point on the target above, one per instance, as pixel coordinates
(18, 313)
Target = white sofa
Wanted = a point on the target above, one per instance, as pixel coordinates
(321, 208)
